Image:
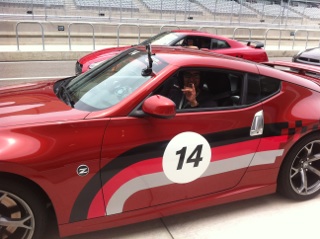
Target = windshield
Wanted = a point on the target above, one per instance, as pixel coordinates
(163, 38)
(109, 83)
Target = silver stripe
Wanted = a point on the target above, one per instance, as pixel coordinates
(228, 165)
(118, 199)
(266, 157)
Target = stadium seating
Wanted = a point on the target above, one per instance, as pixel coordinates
(172, 6)
(265, 8)
(307, 11)
(113, 4)
(35, 2)
(226, 7)
(291, 12)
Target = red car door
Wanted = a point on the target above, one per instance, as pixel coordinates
(150, 161)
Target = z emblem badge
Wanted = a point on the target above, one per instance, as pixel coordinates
(83, 170)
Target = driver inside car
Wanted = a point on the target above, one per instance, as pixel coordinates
(188, 91)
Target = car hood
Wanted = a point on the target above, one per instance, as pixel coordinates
(103, 54)
(34, 103)
(313, 53)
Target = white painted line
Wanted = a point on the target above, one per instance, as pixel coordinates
(35, 78)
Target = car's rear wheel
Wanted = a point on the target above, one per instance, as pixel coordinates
(22, 213)
(299, 176)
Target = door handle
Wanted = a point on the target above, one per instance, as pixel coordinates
(257, 124)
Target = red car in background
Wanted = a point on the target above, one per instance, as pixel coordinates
(252, 51)
(111, 147)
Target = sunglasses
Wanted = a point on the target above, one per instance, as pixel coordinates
(191, 75)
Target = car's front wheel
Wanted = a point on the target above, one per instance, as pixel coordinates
(22, 212)
(299, 176)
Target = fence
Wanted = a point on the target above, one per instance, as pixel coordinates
(273, 38)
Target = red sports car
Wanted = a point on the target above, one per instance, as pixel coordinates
(154, 132)
(252, 51)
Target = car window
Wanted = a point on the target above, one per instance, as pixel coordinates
(112, 81)
(260, 88)
(223, 89)
(204, 42)
(216, 89)
(165, 39)
(195, 41)
(188, 41)
(218, 44)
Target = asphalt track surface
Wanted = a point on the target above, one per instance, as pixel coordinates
(15, 72)
(18, 72)
(265, 217)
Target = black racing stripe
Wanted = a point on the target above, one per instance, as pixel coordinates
(81, 206)
(274, 129)
(299, 123)
(291, 131)
(304, 129)
(132, 156)
(144, 152)
(153, 150)
(156, 149)
(229, 137)
(315, 127)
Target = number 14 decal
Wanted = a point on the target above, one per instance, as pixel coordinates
(186, 157)
(194, 157)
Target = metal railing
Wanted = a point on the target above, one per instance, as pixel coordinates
(121, 25)
(17, 33)
(266, 36)
(77, 23)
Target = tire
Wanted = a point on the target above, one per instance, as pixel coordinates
(23, 213)
(299, 176)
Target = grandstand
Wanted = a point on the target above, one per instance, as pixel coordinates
(171, 6)
(106, 4)
(226, 7)
(307, 10)
(265, 8)
(247, 11)
(41, 3)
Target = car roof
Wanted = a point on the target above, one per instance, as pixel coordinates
(294, 65)
(297, 75)
(207, 34)
(185, 57)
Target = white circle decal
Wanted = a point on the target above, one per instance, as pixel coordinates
(186, 157)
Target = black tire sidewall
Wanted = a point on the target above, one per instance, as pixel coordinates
(33, 199)
(284, 186)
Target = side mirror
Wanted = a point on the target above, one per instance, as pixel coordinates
(159, 106)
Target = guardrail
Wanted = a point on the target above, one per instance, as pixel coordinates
(266, 36)
(93, 37)
(121, 25)
(17, 33)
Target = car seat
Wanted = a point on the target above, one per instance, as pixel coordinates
(219, 85)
